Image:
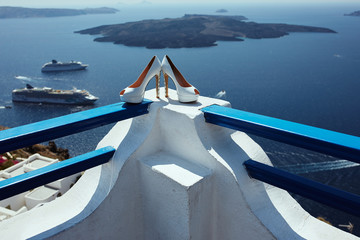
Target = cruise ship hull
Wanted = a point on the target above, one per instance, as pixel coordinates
(55, 101)
(53, 96)
(60, 66)
(66, 68)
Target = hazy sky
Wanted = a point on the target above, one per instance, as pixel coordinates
(86, 3)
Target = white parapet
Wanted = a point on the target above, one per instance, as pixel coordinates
(173, 176)
(174, 187)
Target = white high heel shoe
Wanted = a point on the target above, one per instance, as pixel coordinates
(186, 92)
(135, 92)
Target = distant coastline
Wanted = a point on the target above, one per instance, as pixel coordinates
(355, 14)
(192, 30)
(20, 12)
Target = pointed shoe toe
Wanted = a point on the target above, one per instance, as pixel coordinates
(130, 95)
(189, 94)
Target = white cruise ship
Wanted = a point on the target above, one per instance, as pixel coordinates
(55, 66)
(49, 95)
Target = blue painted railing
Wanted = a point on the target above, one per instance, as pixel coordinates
(336, 198)
(296, 134)
(26, 135)
(325, 141)
(316, 139)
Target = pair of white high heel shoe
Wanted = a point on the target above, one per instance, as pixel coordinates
(135, 92)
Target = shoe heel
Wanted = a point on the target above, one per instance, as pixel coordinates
(157, 77)
(166, 79)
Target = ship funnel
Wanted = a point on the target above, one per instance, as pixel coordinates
(28, 86)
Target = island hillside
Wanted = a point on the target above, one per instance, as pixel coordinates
(192, 31)
(20, 12)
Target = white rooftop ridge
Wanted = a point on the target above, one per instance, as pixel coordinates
(173, 176)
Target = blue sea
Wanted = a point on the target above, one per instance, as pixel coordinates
(310, 78)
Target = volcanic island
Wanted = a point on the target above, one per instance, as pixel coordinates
(192, 30)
